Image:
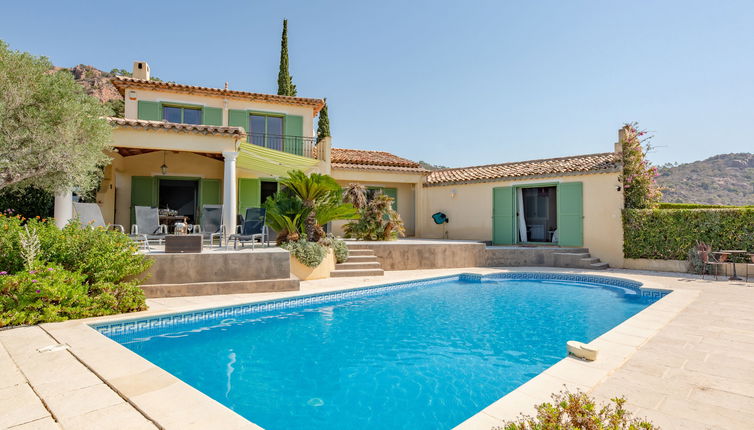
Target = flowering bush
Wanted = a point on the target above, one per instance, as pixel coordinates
(578, 411)
(338, 246)
(640, 188)
(48, 274)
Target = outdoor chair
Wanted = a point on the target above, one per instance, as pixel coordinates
(90, 214)
(148, 226)
(253, 229)
(708, 259)
(211, 225)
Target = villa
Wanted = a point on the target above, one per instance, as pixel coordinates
(183, 146)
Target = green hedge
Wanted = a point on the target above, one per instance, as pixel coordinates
(697, 206)
(668, 234)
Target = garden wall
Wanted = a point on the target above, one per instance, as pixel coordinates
(669, 234)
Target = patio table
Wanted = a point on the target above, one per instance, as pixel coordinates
(724, 254)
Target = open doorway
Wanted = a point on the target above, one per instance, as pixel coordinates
(179, 195)
(267, 189)
(537, 214)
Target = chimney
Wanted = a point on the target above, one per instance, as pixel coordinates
(141, 70)
(622, 137)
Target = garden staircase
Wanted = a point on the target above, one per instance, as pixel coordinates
(361, 262)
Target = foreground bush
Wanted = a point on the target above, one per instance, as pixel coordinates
(569, 411)
(75, 272)
(668, 234)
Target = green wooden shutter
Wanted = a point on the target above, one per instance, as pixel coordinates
(209, 192)
(143, 193)
(248, 194)
(570, 214)
(212, 116)
(392, 192)
(503, 216)
(149, 110)
(238, 118)
(293, 129)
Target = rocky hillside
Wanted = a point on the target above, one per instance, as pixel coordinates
(95, 82)
(725, 179)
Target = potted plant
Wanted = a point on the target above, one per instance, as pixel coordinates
(298, 213)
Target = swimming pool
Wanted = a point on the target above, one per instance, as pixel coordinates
(413, 355)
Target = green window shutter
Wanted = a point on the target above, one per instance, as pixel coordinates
(149, 110)
(248, 194)
(209, 192)
(392, 192)
(212, 116)
(503, 216)
(238, 118)
(293, 129)
(143, 193)
(570, 214)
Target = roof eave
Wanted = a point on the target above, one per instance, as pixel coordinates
(515, 178)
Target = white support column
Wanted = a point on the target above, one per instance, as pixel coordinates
(63, 208)
(229, 192)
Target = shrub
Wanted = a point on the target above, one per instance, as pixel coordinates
(338, 246)
(640, 190)
(378, 221)
(697, 206)
(310, 254)
(578, 411)
(51, 293)
(75, 272)
(668, 234)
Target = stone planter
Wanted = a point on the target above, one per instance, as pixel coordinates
(306, 273)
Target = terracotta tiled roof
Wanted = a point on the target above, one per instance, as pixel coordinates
(123, 82)
(372, 160)
(592, 163)
(185, 128)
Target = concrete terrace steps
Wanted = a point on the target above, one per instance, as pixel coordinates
(361, 262)
(582, 260)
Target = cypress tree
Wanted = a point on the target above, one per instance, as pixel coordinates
(285, 80)
(323, 125)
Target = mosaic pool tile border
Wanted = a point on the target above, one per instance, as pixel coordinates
(134, 325)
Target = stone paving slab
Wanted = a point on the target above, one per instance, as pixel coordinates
(73, 395)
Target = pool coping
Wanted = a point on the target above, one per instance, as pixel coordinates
(169, 401)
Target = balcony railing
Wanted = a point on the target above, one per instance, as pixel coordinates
(303, 146)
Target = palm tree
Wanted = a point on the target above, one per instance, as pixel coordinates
(355, 194)
(313, 189)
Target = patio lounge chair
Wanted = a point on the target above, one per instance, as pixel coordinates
(90, 214)
(148, 226)
(253, 228)
(211, 225)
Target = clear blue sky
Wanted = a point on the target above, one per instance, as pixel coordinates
(453, 83)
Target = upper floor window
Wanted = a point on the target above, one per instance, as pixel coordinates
(183, 115)
(266, 131)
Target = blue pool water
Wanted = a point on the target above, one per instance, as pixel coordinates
(422, 357)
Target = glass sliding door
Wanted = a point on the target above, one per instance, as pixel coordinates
(267, 131)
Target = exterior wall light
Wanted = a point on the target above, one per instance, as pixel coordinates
(164, 167)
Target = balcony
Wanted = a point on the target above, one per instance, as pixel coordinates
(297, 145)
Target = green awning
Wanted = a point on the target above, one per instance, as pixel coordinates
(271, 163)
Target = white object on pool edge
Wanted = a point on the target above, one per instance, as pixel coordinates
(581, 350)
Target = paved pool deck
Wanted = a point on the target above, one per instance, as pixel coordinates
(686, 362)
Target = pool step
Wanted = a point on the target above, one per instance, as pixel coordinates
(361, 262)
